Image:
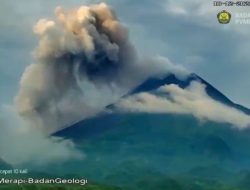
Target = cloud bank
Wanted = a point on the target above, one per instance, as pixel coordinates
(191, 100)
(21, 143)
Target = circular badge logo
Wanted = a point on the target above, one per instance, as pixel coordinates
(224, 17)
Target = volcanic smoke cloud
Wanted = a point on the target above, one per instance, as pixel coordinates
(84, 61)
(85, 45)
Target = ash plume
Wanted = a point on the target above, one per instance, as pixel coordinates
(83, 52)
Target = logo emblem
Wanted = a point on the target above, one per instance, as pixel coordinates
(224, 17)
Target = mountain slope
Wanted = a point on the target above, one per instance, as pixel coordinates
(121, 147)
(4, 165)
(155, 82)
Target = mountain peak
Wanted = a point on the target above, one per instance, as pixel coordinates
(153, 83)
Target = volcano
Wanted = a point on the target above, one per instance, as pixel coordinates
(124, 148)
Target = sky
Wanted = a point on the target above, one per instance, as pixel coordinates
(185, 31)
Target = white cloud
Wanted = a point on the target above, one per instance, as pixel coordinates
(21, 143)
(191, 100)
(176, 9)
